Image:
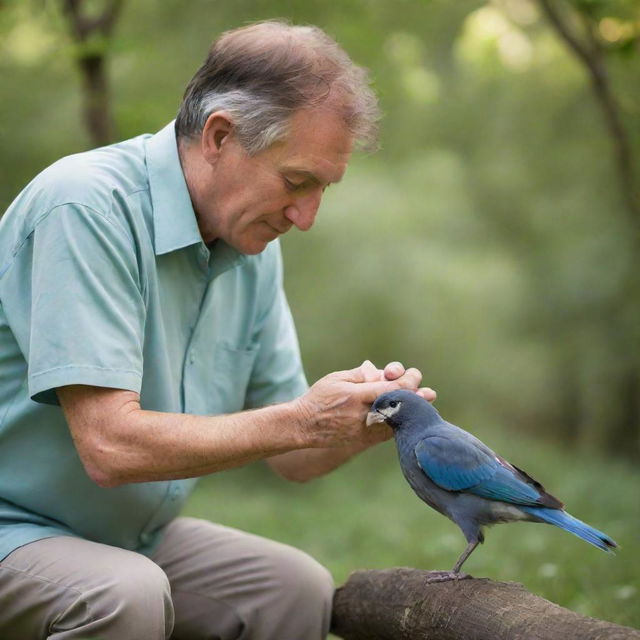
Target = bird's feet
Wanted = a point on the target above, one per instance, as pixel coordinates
(445, 576)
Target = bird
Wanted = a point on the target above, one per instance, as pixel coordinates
(460, 477)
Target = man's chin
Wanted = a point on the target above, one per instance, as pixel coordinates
(253, 247)
(256, 242)
(254, 251)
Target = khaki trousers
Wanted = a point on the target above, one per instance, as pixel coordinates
(205, 582)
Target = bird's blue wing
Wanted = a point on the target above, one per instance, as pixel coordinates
(454, 464)
(461, 465)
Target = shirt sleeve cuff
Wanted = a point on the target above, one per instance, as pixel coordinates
(43, 384)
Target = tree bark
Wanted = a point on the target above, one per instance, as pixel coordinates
(92, 63)
(97, 110)
(400, 604)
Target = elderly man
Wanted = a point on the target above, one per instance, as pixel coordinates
(145, 340)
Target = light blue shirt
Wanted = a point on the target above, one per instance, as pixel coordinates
(105, 281)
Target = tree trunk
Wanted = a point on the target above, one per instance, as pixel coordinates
(92, 34)
(400, 604)
(97, 111)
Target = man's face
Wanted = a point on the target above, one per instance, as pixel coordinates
(251, 200)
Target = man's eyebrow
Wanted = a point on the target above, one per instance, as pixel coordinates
(308, 174)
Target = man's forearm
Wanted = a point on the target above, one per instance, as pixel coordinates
(306, 464)
(127, 444)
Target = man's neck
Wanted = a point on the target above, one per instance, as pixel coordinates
(193, 169)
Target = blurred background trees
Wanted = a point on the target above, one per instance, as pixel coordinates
(492, 242)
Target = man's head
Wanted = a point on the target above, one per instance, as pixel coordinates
(263, 73)
(271, 118)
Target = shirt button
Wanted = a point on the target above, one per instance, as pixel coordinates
(192, 357)
(145, 538)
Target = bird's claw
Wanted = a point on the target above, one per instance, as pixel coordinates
(445, 576)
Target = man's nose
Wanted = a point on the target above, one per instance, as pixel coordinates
(302, 212)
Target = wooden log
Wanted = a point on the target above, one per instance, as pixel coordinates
(401, 604)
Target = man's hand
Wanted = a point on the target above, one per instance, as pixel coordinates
(334, 409)
(331, 418)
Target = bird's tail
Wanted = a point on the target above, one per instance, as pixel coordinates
(567, 522)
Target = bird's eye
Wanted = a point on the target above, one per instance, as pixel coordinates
(393, 404)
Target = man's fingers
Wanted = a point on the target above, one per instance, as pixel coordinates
(427, 393)
(393, 370)
(348, 375)
(394, 376)
(370, 372)
(366, 372)
(411, 379)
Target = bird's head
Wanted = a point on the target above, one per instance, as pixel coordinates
(396, 408)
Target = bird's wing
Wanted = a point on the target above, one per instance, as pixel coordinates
(461, 465)
(453, 464)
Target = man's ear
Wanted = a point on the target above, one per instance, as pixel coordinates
(216, 130)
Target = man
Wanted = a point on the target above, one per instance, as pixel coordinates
(145, 340)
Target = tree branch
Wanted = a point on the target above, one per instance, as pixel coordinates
(590, 54)
(398, 604)
(84, 26)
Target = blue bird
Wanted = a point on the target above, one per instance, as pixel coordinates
(459, 476)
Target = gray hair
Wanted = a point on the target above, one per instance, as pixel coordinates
(263, 73)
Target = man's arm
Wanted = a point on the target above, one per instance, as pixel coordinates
(119, 442)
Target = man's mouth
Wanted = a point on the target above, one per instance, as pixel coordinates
(278, 230)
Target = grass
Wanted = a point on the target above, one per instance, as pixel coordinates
(364, 515)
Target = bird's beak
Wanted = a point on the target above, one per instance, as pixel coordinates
(373, 417)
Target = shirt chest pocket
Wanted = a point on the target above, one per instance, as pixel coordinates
(220, 380)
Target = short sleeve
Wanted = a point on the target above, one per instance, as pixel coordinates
(75, 303)
(277, 375)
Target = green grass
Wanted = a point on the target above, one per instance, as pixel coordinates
(364, 515)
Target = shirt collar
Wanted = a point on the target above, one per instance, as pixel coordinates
(174, 220)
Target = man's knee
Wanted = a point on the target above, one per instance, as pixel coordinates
(302, 604)
(141, 584)
(132, 601)
(304, 578)
(72, 588)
